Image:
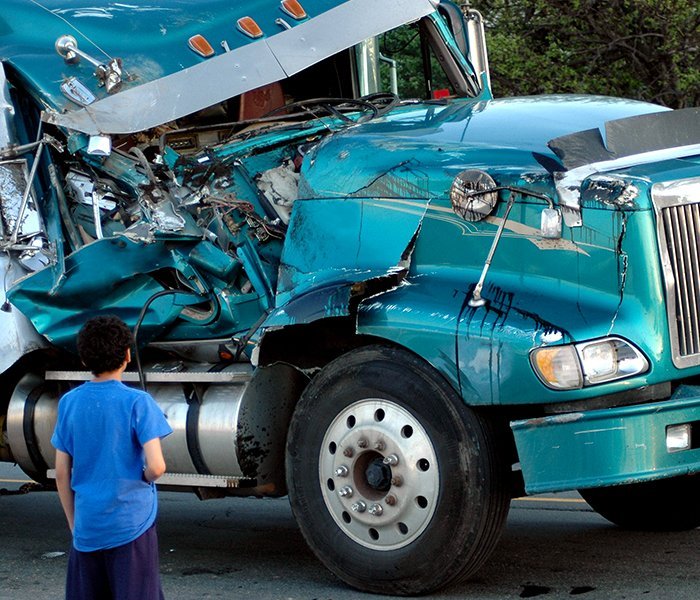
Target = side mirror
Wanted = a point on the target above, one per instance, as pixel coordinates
(551, 224)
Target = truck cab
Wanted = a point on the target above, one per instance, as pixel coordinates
(353, 276)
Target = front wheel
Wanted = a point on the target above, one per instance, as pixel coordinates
(397, 487)
(662, 505)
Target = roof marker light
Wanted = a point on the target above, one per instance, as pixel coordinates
(293, 9)
(199, 44)
(248, 26)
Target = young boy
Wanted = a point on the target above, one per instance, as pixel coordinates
(108, 455)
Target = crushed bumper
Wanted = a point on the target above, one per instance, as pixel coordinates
(609, 446)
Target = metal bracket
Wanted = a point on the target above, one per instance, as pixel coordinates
(476, 299)
(109, 74)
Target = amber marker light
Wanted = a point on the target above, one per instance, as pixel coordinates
(201, 46)
(248, 26)
(293, 9)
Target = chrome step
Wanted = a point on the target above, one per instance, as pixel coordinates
(191, 480)
(240, 374)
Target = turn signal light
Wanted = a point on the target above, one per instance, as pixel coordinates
(248, 26)
(201, 46)
(293, 9)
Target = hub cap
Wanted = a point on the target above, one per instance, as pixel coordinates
(379, 474)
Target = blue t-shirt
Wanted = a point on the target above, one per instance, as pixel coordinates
(103, 425)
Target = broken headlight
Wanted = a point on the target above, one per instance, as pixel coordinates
(573, 366)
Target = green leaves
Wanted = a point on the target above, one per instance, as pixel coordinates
(645, 49)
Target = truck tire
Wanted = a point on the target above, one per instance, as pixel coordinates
(662, 505)
(397, 487)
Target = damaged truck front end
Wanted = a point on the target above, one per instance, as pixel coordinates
(400, 303)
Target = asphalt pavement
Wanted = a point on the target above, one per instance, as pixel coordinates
(554, 547)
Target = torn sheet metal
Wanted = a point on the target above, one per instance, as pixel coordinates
(244, 68)
(569, 184)
(108, 275)
(596, 448)
(636, 140)
(339, 249)
(610, 191)
(17, 335)
(13, 184)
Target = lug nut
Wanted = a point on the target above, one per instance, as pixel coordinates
(376, 510)
(379, 445)
(345, 491)
(348, 452)
(362, 443)
(359, 506)
(391, 460)
(342, 471)
(397, 480)
(390, 499)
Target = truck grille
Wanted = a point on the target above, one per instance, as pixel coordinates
(679, 242)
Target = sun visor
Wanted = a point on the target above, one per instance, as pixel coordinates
(629, 136)
(242, 69)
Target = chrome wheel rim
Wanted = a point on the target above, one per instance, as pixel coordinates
(379, 474)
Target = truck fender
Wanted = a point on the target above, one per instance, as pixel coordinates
(422, 315)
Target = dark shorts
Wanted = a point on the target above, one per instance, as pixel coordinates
(128, 572)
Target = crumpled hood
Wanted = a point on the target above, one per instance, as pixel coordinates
(417, 151)
(163, 78)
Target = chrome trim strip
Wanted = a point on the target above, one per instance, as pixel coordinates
(7, 111)
(238, 376)
(189, 480)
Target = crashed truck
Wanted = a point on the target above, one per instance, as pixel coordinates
(353, 276)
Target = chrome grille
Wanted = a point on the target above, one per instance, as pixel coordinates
(679, 241)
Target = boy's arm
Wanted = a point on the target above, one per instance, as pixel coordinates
(64, 466)
(155, 463)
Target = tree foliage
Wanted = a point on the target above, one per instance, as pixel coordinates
(644, 49)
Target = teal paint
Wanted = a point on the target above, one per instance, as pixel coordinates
(613, 446)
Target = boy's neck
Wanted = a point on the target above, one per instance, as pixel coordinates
(115, 375)
(109, 375)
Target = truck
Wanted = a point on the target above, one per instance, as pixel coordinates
(354, 277)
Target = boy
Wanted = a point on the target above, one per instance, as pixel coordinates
(105, 431)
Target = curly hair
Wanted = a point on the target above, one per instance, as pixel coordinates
(103, 342)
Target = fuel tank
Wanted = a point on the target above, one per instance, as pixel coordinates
(231, 423)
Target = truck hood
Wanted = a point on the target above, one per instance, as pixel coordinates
(163, 79)
(419, 150)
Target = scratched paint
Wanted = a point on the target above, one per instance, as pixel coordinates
(598, 448)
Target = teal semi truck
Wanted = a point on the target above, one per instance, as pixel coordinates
(353, 276)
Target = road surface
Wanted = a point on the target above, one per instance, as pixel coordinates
(554, 547)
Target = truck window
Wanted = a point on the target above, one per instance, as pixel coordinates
(410, 51)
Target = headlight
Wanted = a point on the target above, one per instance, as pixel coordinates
(574, 366)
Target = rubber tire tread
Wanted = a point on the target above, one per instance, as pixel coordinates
(459, 548)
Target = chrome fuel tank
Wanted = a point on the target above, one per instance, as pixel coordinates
(231, 423)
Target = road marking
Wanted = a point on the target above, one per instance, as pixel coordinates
(547, 499)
